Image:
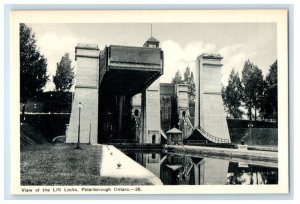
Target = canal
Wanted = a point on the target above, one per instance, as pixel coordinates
(174, 169)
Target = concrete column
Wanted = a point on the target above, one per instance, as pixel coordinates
(150, 113)
(120, 112)
(143, 117)
(209, 108)
(86, 92)
(182, 99)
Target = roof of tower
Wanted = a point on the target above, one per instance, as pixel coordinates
(152, 39)
(87, 46)
(210, 55)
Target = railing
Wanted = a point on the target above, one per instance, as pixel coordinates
(188, 169)
(190, 142)
(211, 137)
(190, 127)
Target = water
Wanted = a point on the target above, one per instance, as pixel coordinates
(175, 169)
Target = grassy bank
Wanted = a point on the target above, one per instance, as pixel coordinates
(61, 164)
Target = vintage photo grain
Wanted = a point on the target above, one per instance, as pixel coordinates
(141, 102)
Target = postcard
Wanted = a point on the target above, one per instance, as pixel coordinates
(149, 102)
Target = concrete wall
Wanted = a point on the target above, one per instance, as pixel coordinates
(135, 55)
(87, 68)
(89, 111)
(151, 113)
(86, 92)
(209, 109)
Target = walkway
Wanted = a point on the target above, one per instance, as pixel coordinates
(111, 157)
(264, 158)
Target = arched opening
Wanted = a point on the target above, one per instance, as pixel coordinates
(136, 112)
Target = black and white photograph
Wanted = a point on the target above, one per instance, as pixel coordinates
(150, 102)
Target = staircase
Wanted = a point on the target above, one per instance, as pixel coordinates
(203, 132)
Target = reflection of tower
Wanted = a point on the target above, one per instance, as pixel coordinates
(211, 172)
(171, 169)
(150, 161)
(153, 163)
(137, 120)
(136, 112)
(209, 110)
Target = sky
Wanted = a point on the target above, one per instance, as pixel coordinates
(182, 43)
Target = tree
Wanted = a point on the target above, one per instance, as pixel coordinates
(189, 80)
(232, 95)
(33, 66)
(192, 87)
(177, 79)
(64, 76)
(187, 75)
(270, 103)
(252, 82)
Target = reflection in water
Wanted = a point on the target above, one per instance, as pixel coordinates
(250, 174)
(184, 170)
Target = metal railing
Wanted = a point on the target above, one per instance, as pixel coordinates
(188, 169)
(196, 142)
(190, 127)
(212, 137)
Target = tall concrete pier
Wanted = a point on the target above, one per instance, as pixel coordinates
(87, 93)
(151, 114)
(210, 116)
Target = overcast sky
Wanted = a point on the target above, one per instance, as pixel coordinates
(181, 43)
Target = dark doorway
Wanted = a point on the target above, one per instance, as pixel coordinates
(153, 139)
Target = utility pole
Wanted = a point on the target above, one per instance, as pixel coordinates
(78, 141)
